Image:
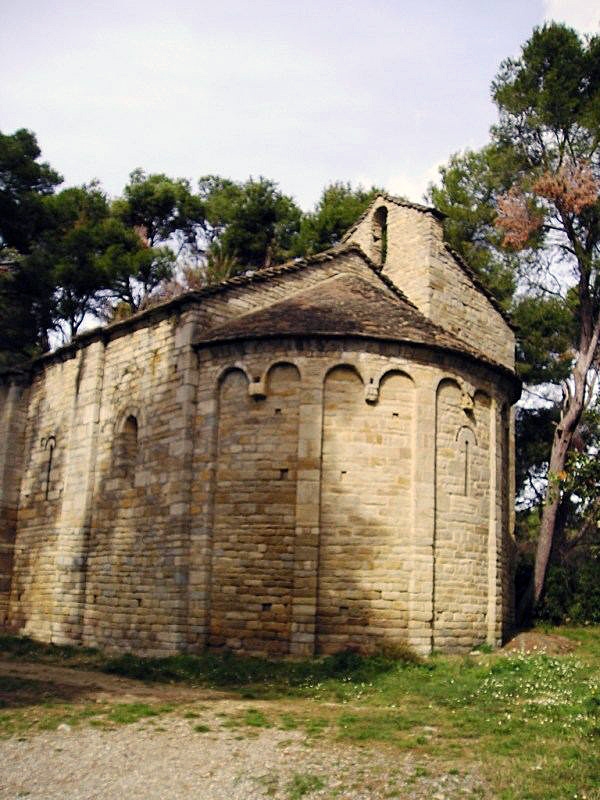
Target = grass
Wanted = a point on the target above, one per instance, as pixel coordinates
(201, 728)
(128, 713)
(528, 723)
(303, 784)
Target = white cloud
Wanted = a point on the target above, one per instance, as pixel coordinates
(580, 14)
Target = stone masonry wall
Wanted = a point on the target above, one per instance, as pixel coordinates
(37, 563)
(462, 527)
(137, 566)
(366, 511)
(101, 558)
(271, 497)
(13, 406)
(254, 513)
(364, 505)
(423, 268)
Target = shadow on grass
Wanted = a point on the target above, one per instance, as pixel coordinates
(258, 676)
(16, 692)
(250, 676)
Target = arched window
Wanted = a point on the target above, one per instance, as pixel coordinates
(126, 448)
(380, 235)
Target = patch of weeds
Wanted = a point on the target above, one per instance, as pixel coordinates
(315, 726)
(378, 726)
(191, 715)
(229, 722)
(254, 677)
(256, 719)
(421, 772)
(269, 783)
(201, 728)
(303, 784)
(288, 722)
(127, 713)
(483, 648)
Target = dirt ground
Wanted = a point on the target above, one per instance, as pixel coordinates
(193, 749)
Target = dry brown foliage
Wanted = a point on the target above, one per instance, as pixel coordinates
(516, 219)
(573, 188)
(142, 233)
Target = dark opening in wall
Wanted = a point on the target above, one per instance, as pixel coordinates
(49, 445)
(380, 235)
(126, 448)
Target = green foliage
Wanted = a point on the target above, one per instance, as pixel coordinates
(337, 210)
(572, 592)
(87, 254)
(70, 252)
(162, 208)
(256, 719)
(253, 222)
(128, 713)
(525, 211)
(554, 86)
(24, 182)
(546, 330)
(534, 430)
(25, 310)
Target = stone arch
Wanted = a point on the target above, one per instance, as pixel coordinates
(365, 511)
(343, 365)
(116, 533)
(254, 512)
(290, 365)
(373, 386)
(126, 447)
(462, 503)
(224, 374)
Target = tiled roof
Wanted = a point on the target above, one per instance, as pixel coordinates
(346, 305)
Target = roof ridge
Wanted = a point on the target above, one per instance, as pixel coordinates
(250, 277)
(400, 201)
(305, 289)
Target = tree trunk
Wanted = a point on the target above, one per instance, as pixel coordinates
(561, 444)
(558, 459)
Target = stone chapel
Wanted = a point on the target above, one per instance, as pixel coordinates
(301, 459)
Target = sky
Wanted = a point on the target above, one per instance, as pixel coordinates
(379, 92)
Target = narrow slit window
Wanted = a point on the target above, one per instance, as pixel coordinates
(466, 442)
(49, 447)
(380, 235)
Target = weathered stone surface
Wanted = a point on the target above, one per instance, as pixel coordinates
(267, 466)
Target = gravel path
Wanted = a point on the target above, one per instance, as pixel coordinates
(166, 757)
